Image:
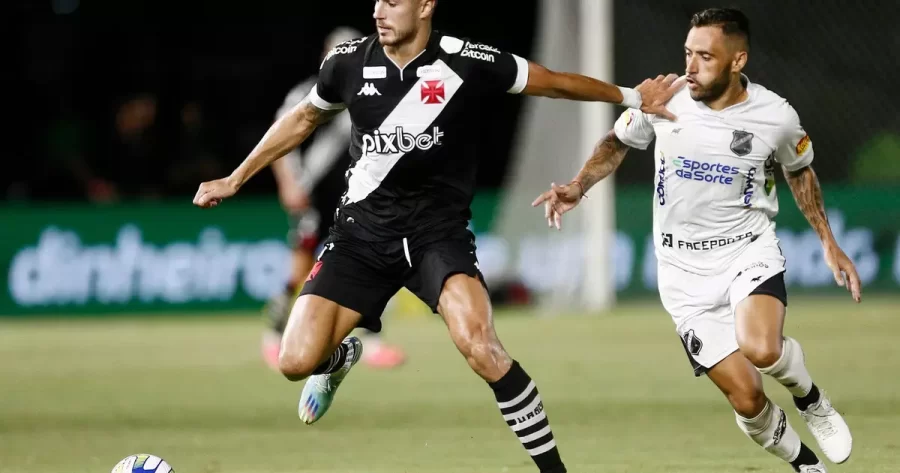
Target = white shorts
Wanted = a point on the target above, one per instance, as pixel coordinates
(702, 307)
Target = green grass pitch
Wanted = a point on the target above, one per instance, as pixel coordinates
(78, 395)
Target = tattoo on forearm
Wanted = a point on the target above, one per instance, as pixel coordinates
(608, 155)
(808, 194)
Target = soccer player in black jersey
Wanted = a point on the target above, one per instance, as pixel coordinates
(402, 220)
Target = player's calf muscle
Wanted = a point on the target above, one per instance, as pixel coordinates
(748, 402)
(740, 383)
(466, 309)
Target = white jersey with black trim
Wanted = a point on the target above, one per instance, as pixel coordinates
(413, 156)
(714, 188)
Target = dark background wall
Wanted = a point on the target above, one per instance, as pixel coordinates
(149, 98)
(200, 82)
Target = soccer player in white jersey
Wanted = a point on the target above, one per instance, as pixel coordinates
(720, 266)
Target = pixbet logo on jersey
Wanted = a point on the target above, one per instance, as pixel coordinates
(400, 141)
(713, 173)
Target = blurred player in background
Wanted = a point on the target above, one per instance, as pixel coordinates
(310, 183)
(720, 264)
(412, 94)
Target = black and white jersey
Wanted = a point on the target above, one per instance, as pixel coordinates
(411, 144)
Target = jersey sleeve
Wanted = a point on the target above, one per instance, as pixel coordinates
(494, 70)
(326, 94)
(635, 129)
(295, 96)
(794, 148)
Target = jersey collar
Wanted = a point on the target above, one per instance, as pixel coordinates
(427, 56)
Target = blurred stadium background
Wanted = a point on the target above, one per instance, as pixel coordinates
(129, 320)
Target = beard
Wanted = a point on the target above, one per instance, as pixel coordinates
(714, 89)
(396, 37)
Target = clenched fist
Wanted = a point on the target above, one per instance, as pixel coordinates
(211, 193)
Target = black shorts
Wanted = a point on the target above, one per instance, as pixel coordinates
(774, 286)
(363, 276)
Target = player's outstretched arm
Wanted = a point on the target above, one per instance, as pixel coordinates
(284, 135)
(606, 158)
(649, 97)
(808, 194)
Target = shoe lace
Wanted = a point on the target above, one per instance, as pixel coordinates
(818, 420)
(323, 383)
(811, 469)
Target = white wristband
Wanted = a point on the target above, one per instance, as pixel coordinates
(631, 98)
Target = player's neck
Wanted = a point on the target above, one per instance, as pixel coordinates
(402, 54)
(734, 94)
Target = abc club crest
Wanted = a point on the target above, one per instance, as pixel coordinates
(742, 143)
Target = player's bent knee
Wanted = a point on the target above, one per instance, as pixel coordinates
(296, 366)
(762, 354)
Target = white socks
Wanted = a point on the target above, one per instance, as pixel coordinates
(771, 430)
(790, 369)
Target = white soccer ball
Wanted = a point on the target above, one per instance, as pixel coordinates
(142, 463)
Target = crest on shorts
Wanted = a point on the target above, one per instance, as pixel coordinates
(314, 271)
(692, 343)
(742, 143)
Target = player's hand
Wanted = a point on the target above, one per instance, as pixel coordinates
(845, 274)
(559, 200)
(293, 199)
(211, 193)
(656, 93)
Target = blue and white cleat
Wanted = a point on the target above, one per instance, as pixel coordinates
(319, 391)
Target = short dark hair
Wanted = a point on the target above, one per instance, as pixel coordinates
(732, 21)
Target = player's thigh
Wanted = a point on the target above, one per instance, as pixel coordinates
(465, 306)
(446, 277)
(759, 322)
(348, 274)
(759, 297)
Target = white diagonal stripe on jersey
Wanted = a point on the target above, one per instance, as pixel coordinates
(415, 118)
(531, 386)
(543, 448)
(525, 410)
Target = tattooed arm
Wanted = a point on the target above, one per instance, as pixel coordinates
(608, 155)
(606, 158)
(808, 195)
(285, 134)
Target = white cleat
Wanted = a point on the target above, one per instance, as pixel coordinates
(318, 393)
(818, 468)
(829, 429)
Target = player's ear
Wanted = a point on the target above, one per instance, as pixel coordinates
(740, 60)
(427, 8)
